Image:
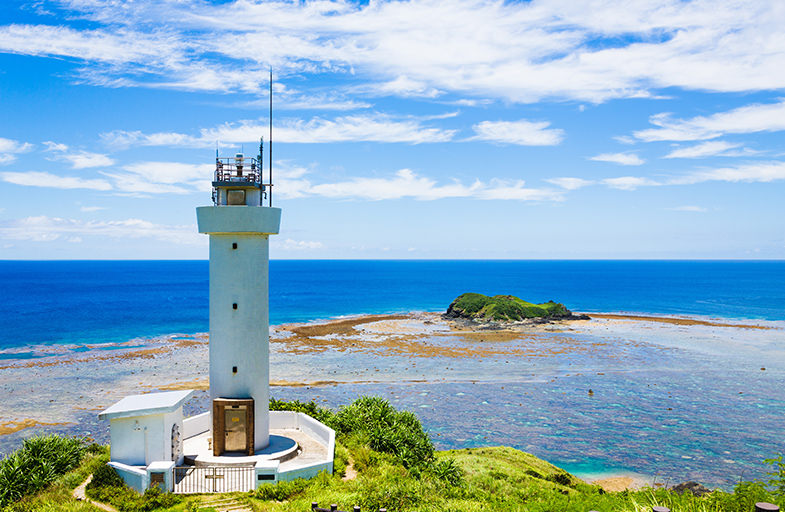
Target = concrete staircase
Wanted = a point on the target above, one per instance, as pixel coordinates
(225, 505)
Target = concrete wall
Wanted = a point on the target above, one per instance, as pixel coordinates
(315, 429)
(135, 478)
(305, 472)
(195, 425)
(140, 440)
(301, 421)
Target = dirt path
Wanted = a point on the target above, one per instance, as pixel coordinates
(79, 494)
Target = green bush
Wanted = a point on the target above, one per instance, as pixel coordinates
(105, 476)
(373, 421)
(39, 462)
(447, 471)
(310, 408)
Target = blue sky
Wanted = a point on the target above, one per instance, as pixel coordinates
(419, 129)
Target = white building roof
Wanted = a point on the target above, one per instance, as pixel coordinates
(144, 405)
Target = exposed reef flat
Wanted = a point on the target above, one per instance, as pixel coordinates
(553, 389)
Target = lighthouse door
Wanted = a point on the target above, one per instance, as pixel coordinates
(236, 428)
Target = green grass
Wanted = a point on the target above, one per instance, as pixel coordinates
(502, 308)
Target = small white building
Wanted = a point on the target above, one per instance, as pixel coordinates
(148, 432)
(147, 428)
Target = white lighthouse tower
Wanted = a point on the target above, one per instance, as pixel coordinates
(239, 224)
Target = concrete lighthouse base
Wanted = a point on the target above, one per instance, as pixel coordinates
(300, 447)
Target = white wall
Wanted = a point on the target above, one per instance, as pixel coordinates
(195, 425)
(140, 440)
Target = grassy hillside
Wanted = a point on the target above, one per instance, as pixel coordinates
(385, 459)
(503, 308)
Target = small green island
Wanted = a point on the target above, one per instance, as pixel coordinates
(480, 308)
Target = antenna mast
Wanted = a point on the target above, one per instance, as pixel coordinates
(270, 152)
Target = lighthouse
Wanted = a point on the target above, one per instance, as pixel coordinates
(239, 225)
(238, 442)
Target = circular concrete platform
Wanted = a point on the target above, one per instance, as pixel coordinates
(198, 453)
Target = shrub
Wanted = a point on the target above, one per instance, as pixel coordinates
(448, 471)
(105, 476)
(38, 463)
(310, 408)
(777, 474)
(375, 422)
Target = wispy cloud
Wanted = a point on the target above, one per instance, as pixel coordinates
(289, 244)
(523, 133)
(352, 128)
(9, 149)
(630, 182)
(47, 229)
(707, 149)
(49, 180)
(406, 184)
(687, 208)
(759, 117)
(760, 172)
(78, 159)
(570, 183)
(619, 158)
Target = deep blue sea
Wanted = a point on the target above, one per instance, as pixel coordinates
(46, 302)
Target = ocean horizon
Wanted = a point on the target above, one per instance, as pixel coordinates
(110, 301)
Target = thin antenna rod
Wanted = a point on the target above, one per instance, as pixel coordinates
(270, 152)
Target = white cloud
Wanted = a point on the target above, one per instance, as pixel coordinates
(85, 160)
(352, 128)
(407, 184)
(78, 159)
(9, 148)
(46, 229)
(296, 245)
(55, 146)
(516, 51)
(705, 149)
(523, 133)
(629, 182)
(404, 87)
(48, 180)
(570, 183)
(767, 117)
(89, 209)
(619, 158)
(763, 172)
(687, 208)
